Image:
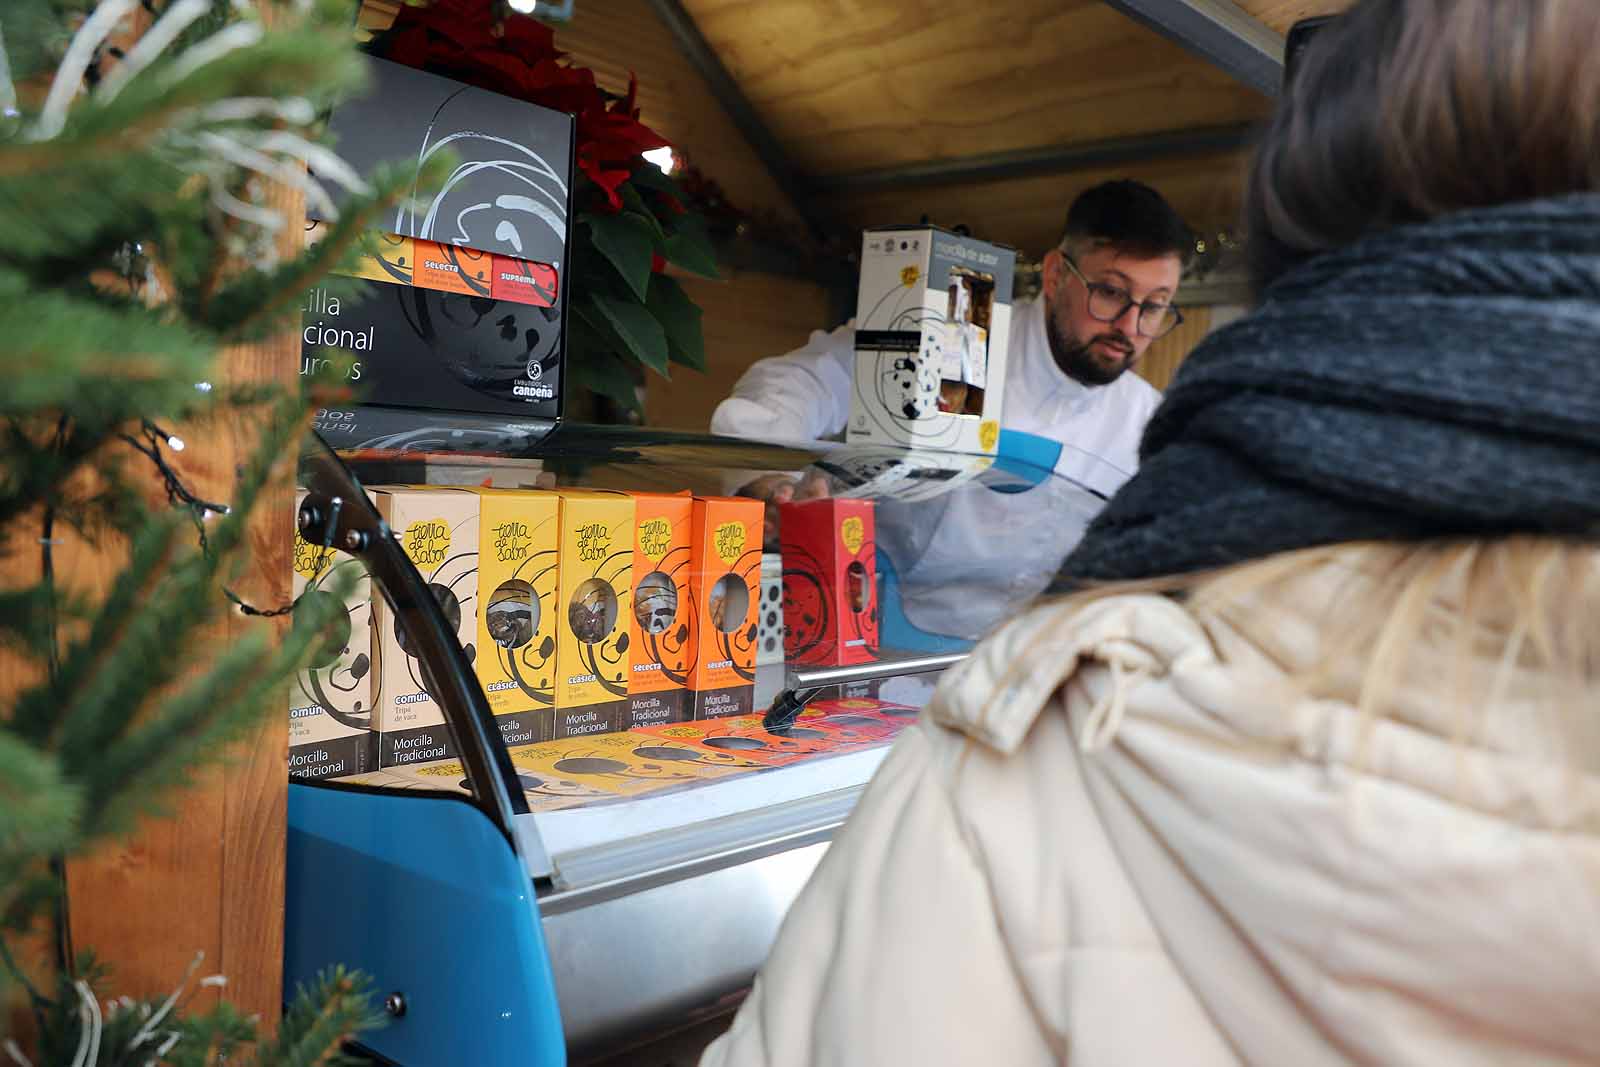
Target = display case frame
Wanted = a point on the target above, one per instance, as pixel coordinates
(599, 924)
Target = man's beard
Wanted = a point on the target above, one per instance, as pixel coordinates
(1079, 363)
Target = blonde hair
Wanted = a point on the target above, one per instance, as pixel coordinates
(1518, 611)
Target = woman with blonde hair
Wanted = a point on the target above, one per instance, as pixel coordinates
(1307, 770)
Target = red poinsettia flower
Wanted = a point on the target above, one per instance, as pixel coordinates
(518, 57)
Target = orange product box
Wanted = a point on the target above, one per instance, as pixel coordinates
(596, 587)
(830, 581)
(519, 535)
(743, 736)
(523, 281)
(452, 269)
(661, 634)
(724, 589)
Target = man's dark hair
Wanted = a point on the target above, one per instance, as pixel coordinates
(1133, 217)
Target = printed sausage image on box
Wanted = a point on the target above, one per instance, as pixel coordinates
(519, 537)
(661, 633)
(611, 764)
(725, 590)
(330, 707)
(933, 322)
(830, 579)
(438, 531)
(596, 601)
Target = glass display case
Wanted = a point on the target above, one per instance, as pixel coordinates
(517, 903)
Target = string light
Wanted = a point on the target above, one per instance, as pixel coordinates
(180, 495)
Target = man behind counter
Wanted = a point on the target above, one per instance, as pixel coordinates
(1107, 293)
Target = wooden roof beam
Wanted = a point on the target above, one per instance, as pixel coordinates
(1218, 32)
(743, 113)
(1031, 162)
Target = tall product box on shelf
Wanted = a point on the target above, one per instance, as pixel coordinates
(830, 597)
(592, 637)
(330, 708)
(438, 531)
(661, 635)
(725, 589)
(478, 322)
(519, 538)
(933, 321)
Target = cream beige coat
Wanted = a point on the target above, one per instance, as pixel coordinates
(1117, 838)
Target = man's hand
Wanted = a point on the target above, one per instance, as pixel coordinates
(778, 489)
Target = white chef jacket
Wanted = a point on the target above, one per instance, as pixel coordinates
(805, 396)
(969, 559)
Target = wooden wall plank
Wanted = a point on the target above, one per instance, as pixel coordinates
(748, 317)
(210, 878)
(865, 84)
(1161, 359)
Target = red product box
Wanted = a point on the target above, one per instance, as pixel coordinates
(830, 581)
(523, 281)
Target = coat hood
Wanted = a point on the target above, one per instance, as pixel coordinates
(1421, 886)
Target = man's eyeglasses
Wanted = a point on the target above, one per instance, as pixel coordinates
(1108, 303)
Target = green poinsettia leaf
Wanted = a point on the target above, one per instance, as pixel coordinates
(593, 364)
(628, 241)
(680, 319)
(690, 248)
(640, 333)
(650, 176)
(635, 204)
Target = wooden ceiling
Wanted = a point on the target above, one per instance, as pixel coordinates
(848, 86)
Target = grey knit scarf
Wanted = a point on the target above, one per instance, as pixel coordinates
(1434, 380)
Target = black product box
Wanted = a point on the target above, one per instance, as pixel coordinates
(509, 195)
(424, 348)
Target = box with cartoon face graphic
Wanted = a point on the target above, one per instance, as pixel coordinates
(725, 591)
(519, 578)
(438, 531)
(830, 579)
(596, 594)
(330, 707)
(933, 321)
(661, 633)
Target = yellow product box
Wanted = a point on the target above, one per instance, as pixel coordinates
(438, 531)
(330, 707)
(661, 635)
(596, 593)
(392, 257)
(519, 536)
(725, 589)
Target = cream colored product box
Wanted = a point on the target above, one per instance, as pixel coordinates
(330, 707)
(519, 541)
(933, 322)
(592, 635)
(438, 531)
